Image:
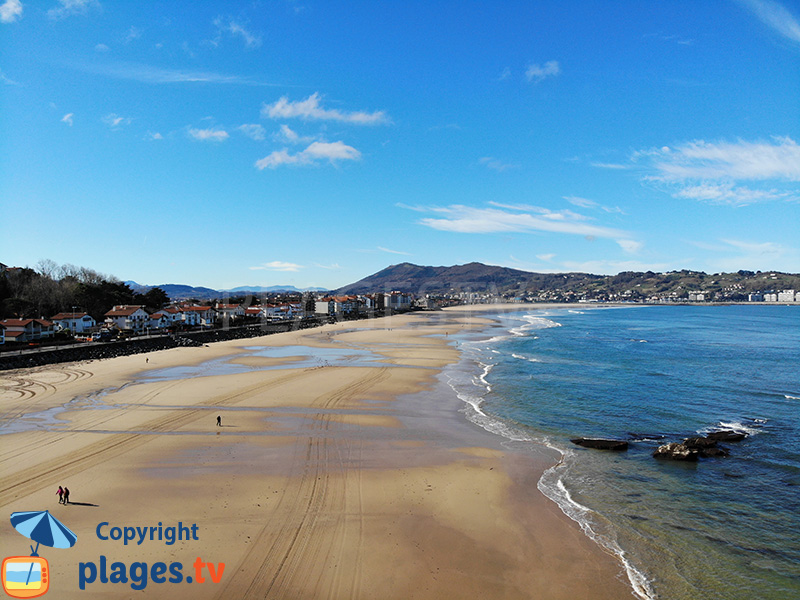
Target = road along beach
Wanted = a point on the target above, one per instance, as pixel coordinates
(342, 469)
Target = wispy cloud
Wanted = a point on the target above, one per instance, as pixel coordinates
(714, 172)
(253, 131)
(67, 118)
(310, 109)
(467, 219)
(67, 8)
(744, 254)
(332, 267)
(536, 72)
(101, 48)
(235, 28)
(6, 80)
(10, 11)
(496, 165)
(591, 204)
(114, 121)
(775, 16)
(156, 75)
(278, 265)
(154, 135)
(134, 33)
(316, 152)
(208, 135)
(382, 249)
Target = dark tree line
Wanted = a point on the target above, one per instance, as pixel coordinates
(51, 288)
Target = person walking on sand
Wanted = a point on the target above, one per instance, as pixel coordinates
(66, 495)
(219, 421)
(60, 494)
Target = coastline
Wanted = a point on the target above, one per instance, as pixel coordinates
(341, 478)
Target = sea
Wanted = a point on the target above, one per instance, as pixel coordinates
(721, 528)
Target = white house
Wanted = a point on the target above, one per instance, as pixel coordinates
(158, 320)
(78, 322)
(27, 330)
(201, 315)
(786, 296)
(233, 312)
(125, 316)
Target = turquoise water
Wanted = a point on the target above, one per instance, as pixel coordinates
(721, 528)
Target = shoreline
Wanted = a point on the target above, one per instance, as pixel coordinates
(345, 481)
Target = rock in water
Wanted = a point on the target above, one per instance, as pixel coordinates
(727, 435)
(676, 451)
(600, 444)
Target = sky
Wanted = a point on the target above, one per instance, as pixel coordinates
(315, 142)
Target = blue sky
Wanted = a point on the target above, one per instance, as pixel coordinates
(314, 143)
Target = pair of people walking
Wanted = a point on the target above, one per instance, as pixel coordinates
(63, 495)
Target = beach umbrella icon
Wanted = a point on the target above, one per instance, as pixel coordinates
(42, 528)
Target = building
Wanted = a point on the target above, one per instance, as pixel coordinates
(27, 330)
(233, 312)
(755, 297)
(77, 322)
(697, 297)
(2, 331)
(398, 300)
(159, 320)
(786, 296)
(199, 315)
(128, 317)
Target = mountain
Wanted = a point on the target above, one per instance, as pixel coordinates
(472, 277)
(490, 280)
(273, 288)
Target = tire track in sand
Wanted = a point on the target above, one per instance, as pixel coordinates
(272, 567)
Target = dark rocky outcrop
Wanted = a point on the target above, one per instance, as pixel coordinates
(676, 451)
(727, 435)
(601, 444)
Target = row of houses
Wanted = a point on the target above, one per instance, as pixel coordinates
(137, 319)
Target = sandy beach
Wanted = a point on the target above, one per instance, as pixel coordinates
(342, 469)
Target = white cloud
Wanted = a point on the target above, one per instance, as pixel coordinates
(332, 267)
(286, 134)
(546, 257)
(776, 16)
(10, 11)
(277, 265)
(537, 73)
(251, 40)
(71, 7)
(630, 246)
(310, 109)
(253, 131)
(731, 160)
(115, 121)
(713, 172)
(496, 165)
(67, 118)
(154, 135)
(209, 135)
(101, 48)
(467, 219)
(332, 151)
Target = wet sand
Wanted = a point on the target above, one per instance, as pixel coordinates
(344, 478)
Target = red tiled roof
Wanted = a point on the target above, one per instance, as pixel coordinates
(63, 316)
(196, 308)
(44, 322)
(122, 311)
(16, 322)
(13, 334)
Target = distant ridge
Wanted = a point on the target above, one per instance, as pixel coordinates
(183, 292)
